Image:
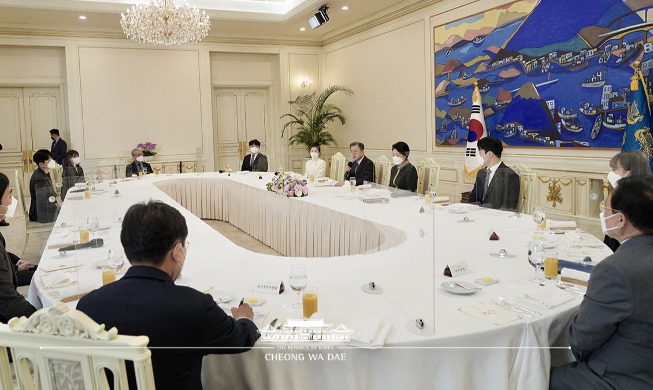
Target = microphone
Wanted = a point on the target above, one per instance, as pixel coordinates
(350, 164)
(94, 243)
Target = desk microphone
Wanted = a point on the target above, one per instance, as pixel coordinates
(94, 243)
(350, 164)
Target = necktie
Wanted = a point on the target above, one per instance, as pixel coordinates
(251, 160)
(355, 168)
(487, 182)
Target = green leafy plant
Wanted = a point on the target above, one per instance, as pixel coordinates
(311, 115)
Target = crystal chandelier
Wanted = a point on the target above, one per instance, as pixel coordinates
(162, 22)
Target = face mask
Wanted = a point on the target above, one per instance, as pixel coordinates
(11, 208)
(254, 150)
(480, 160)
(397, 160)
(139, 158)
(52, 164)
(613, 178)
(604, 227)
(314, 155)
(75, 160)
(180, 267)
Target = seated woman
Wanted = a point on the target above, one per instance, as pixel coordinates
(624, 164)
(72, 172)
(315, 167)
(403, 174)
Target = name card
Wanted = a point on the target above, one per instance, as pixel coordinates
(269, 287)
(460, 268)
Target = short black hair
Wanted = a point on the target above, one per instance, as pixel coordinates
(54, 131)
(359, 144)
(402, 148)
(633, 197)
(255, 142)
(149, 230)
(41, 155)
(318, 147)
(490, 144)
(4, 183)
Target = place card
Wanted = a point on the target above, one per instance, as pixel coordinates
(460, 268)
(269, 287)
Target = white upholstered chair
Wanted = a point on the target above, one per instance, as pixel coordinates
(526, 188)
(337, 171)
(59, 348)
(56, 174)
(30, 226)
(382, 167)
(428, 175)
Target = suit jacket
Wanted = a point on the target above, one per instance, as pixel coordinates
(58, 151)
(145, 301)
(133, 168)
(71, 175)
(40, 191)
(12, 304)
(612, 334)
(260, 163)
(404, 178)
(503, 192)
(365, 172)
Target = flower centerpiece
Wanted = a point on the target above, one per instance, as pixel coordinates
(147, 148)
(288, 185)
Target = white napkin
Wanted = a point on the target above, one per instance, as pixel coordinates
(58, 280)
(574, 274)
(60, 265)
(595, 253)
(490, 313)
(370, 333)
(562, 225)
(550, 297)
(440, 199)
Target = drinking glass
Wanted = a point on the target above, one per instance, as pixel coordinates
(551, 264)
(432, 195)
(93, 224)
(352, 183)
(298, 281)
(536, 258)
(115, 262)
(309, 301)
(538, 217)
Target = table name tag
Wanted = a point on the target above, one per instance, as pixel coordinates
(460, 268)
(269, 287)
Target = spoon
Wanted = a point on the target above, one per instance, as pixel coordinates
(569, 287)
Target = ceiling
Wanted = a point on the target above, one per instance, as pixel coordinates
(244, 21)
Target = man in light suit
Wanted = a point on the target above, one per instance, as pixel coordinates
(612, 334)
(255, 161)
(360, 167)
(496, 186)
(182, 323)
(58, 148)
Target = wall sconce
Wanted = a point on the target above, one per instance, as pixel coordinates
(306, 83)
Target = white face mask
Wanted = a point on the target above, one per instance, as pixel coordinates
(139, 158)
(254, 150)
(314, 155)
(604, 227)
(75, 160)
(479, 159)
(52, 164)
(180, 267)
(397, 160)
(613, 178)
(11, 208)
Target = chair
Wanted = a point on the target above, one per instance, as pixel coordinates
(66, 349)
(526, 188)
(190, 166)
(30, 226)
(428, 175)
(337, 171)
(382, 167)
(56, 174)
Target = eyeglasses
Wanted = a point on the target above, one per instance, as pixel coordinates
(602, 207)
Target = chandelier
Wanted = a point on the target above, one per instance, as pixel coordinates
(162, 22)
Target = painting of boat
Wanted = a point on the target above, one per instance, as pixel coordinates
(478, 40)
(587, 109)
(630, 52)
(571, 125)
(612, 123)
(510, 132)
(499, 105)
(578, 64)
(466, 74)
(567, 114)
(457, 102)
(596, 80)
(596, 128)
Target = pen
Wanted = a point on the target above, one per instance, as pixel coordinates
(241, 302)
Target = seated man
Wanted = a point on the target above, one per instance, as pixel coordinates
(43, 206)
(255, 161)
(138, 165)
(612, 334)
(496, 186)
(182, 323)
(360, 167)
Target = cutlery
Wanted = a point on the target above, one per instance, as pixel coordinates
(273, 323)
(509, 307)
(570, 288)
(464, 287)
(527, 310)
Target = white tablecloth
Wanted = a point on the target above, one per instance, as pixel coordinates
(344, 243)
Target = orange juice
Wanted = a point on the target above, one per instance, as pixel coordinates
(309, 301)
(550, 264)
(87, 194)
(543, 224)
(108, 276)
(84, 236)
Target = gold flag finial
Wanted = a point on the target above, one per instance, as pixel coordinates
(637, 64)
(634, 85)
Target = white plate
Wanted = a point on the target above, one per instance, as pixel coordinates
(222, 296)
(452, 288)
(254, 300)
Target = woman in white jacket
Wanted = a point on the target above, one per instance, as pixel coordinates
(315, 167)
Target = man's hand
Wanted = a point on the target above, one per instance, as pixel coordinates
(23, 265)
(244, 311)
(347, 169)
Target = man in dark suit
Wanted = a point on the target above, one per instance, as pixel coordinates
(255, 161)
(43, 206)
(612, 334)
(138, 165)
(58, 148)
(146, 301)
(496, 185)
(360, 167)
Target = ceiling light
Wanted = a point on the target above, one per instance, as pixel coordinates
(344, 8)
(319, 18)
(302, 29)
(82, 17)
(162, 22)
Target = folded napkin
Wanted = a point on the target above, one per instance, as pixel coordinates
(549, 297)
(60, 265)
(595, 253)
(490, 313)
(58, 280)
(440, 199)
(370, 333)
(574, 276)
(560, 225)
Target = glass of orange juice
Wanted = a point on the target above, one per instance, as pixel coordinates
(108, 275)
(550, 264)
(84, 236)
(309, 301)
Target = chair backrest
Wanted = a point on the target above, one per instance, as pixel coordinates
(382, 167)
(337, 171)
(526, 188)
(428, 175)
(21, 197)
(56, 174)
(66, 349)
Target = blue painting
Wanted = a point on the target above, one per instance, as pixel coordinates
(552, 73)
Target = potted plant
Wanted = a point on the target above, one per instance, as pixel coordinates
(311, 115)
(148, 150)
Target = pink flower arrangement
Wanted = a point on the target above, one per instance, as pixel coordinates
(288, 185)
(147, 148)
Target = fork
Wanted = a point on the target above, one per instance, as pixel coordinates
(509, 306)
(464, 287)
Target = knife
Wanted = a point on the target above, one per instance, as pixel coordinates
(273, 323)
